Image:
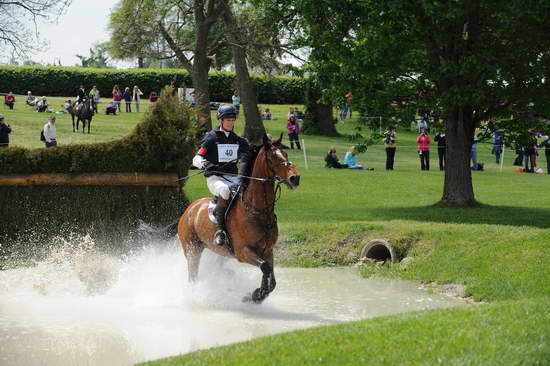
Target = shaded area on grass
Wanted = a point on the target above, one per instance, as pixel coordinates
(490, 215)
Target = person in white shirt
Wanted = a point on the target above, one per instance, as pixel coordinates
(50, 133)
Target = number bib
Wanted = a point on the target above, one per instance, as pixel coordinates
(227, 152)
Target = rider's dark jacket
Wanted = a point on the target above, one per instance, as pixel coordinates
(81, 95)
(213, 142)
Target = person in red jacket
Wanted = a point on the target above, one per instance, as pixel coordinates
(9, 100)
(424, 149)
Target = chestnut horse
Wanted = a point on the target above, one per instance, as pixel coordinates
(251, 222)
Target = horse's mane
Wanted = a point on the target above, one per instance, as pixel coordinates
(249, 165)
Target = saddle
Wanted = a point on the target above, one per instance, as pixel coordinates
(212, 204)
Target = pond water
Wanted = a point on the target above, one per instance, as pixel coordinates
(78, 306)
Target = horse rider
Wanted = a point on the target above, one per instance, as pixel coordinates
(219, 152)
(80, 97)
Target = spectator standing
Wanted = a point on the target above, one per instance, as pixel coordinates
(50, 133)
(390, 144)
(5, 131)
(347, 106)
(293, 129)
(421, 124)
(473, 153)
(291, 112)
(497, 145)
(117, 97)
(441, 140)
(529, 152)
(9, 100)
(94, 96)
(424, 149)
(137, 96)
(127, 96)
(331, 160)
(236, 101)
(546, 145)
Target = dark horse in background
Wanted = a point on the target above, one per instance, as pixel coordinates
(85, 114)
(251, 221)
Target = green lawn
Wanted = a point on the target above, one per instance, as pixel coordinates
(500, 251)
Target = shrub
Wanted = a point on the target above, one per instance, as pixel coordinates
(64, 81)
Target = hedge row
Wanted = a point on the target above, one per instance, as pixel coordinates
(163, 142)
(64, 81)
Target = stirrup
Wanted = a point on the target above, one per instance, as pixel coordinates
(220, 238)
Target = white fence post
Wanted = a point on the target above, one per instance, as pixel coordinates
(305, 154)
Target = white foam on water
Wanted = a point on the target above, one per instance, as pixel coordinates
(80, 306)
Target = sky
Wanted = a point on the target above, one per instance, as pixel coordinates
(82, 25)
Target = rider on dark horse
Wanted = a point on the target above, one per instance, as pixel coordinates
(80, 97)
(219, 152)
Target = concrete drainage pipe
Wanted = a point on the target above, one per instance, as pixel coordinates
(379, 250)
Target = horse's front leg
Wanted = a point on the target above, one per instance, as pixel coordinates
(268, 282)
(72, 116)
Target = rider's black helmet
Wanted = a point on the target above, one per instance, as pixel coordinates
(227, 111)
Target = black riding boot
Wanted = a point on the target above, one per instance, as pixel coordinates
(220, 236)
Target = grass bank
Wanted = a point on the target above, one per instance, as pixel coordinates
(499, 251)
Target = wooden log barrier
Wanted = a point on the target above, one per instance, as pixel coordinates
(91, 179)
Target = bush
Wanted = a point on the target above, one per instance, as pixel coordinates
(64, 81)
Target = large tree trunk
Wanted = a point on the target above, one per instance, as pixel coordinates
(254, 128)
(321, 113)
(202, 94)
(458, 190)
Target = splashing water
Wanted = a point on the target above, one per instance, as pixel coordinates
(82, 306)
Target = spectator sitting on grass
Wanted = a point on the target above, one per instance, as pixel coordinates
(9, 100)
(110, 109)
(31, 99)
(331, 160)
(42, 105)
(267, 115)
(350, 160)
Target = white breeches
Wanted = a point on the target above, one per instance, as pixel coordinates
(219, 186)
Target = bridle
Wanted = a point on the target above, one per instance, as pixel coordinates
(271, 166)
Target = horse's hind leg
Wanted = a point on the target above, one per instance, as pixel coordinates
(193, 251)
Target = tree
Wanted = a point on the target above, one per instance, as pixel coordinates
(15, 35)
(171, 21)
(477, 59)
(98, 56)
(254, 128)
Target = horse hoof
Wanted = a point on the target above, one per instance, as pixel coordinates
(258, 296)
